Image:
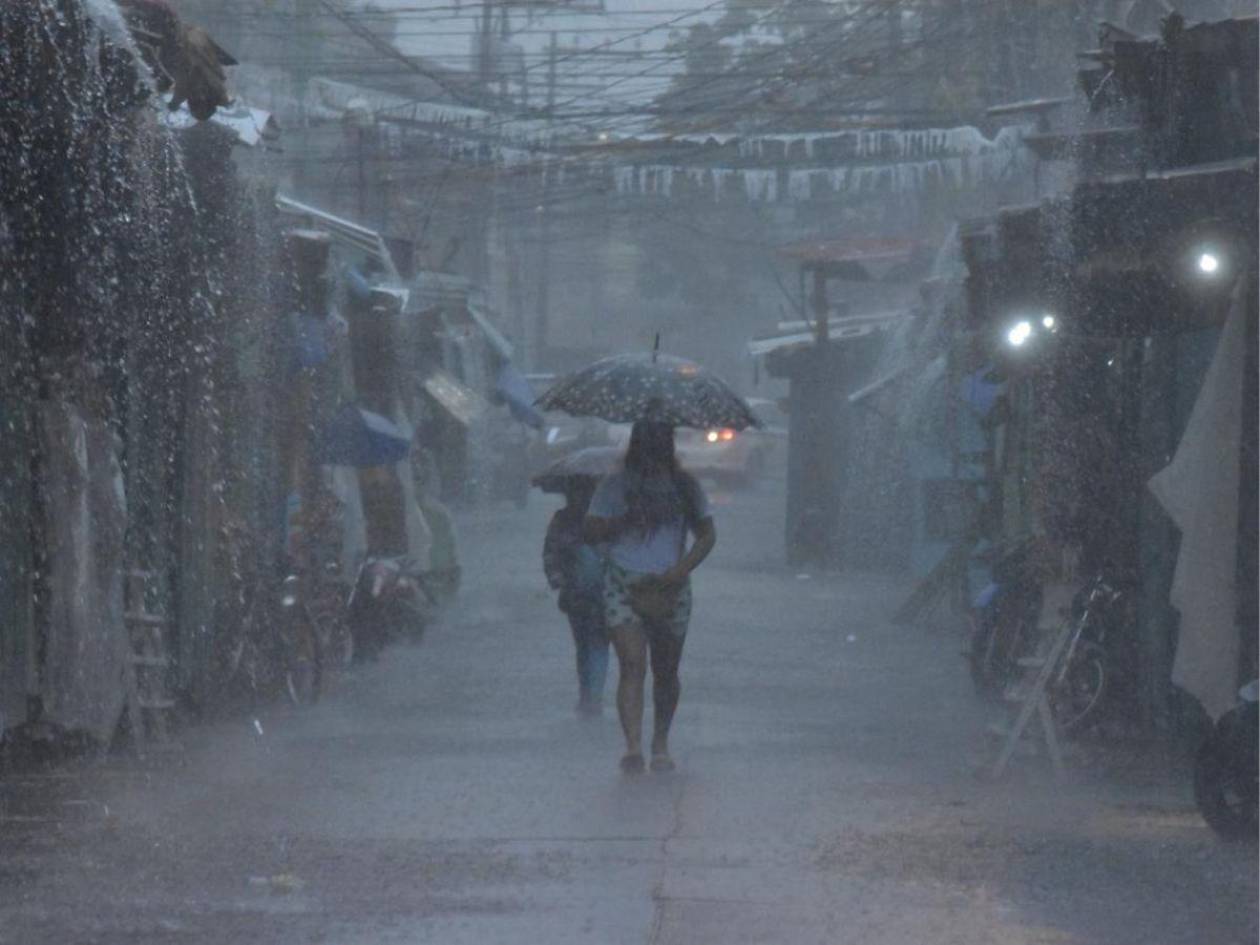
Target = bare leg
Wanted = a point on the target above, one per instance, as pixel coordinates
(666, 649)
(631, 646)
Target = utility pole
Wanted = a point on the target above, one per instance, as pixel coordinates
(484, 74)
(544, 239)
(362, 176)
(304, 34)
(484, 60)
(504, 33)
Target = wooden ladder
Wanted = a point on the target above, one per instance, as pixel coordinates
(149, 704)
(1033, 698)
(1034, 701)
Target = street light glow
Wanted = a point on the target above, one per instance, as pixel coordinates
(1048, 322)
(1019, 333)
(1209, 263)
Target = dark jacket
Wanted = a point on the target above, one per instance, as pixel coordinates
(573, 568)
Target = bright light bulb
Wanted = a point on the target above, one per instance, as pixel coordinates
(1019, 333)
(1048, 322)
(1209, 263)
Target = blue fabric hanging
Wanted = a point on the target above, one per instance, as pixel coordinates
(360, 438)
(513, 387)
(311, 340)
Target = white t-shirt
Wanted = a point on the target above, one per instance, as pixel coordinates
(653, 552)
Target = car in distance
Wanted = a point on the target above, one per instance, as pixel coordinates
(737, 457)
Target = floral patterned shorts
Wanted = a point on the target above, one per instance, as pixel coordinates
(619, 613)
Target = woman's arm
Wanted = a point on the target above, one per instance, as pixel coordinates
(603, 523)
(706, 538)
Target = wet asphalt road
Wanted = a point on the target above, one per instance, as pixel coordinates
(825, 794)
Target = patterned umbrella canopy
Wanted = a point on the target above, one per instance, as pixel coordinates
(659, 387)
(594, 462)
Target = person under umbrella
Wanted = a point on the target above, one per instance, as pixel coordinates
(576, 570)
(644, 514)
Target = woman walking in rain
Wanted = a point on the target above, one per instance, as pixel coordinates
(644, 514)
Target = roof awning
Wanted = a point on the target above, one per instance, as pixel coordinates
(493, 335)
(354, 235)
(856, 259)
(459, 400)
(253, 127)
(802, 334)
(878, 386)
(430, 287)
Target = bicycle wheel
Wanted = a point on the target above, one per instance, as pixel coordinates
(246, 665)
(303, 658)
(1078, 697)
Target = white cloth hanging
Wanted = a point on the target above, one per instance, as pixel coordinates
(1199, 490)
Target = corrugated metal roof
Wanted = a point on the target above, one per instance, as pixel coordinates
(355, 235)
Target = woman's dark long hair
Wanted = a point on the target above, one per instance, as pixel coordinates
(654, 479)
(651, 448)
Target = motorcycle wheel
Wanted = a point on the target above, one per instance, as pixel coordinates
(1226, 793)
(340, 648)
(336, 643)
(366, 629)
(1077, 698)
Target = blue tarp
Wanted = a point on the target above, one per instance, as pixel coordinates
(979, 393)
(357, 285)
(356, 437)
(518, 395)
(312, 340)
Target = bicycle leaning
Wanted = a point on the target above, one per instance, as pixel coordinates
(1006, 638)
(277, 651)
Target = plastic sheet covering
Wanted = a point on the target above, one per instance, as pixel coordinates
(1199, 490)
(344, 483)
(419, 534)
(85, 667)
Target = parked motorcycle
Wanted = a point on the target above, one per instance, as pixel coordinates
(390, 600)
(1226, 772)
(1004, 620)
(1082, 681)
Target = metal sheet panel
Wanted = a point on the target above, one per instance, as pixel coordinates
(460, 401)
